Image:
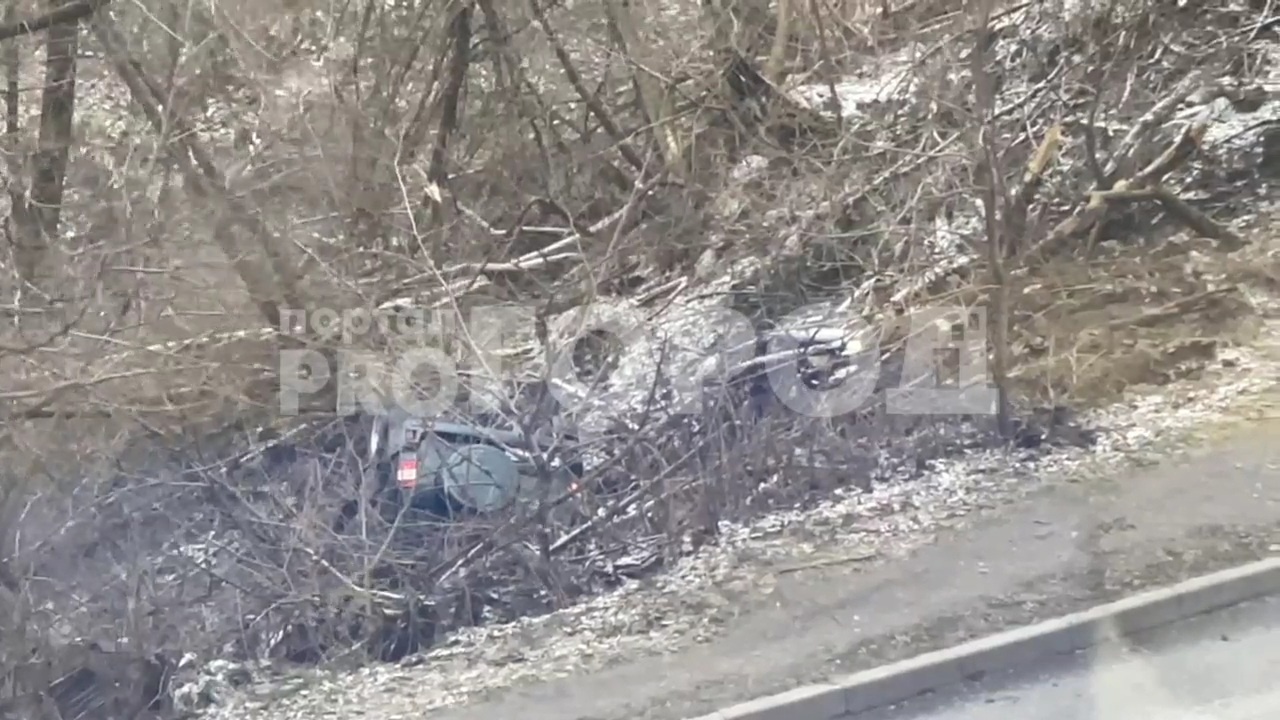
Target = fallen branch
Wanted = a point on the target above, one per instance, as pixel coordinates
(557, 251)
(1145, 185)
(1032, 179)
(1154, 118)
(859, 556)
(1174, 308)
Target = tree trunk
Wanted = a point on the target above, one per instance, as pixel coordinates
(36, 216)
(57, 115)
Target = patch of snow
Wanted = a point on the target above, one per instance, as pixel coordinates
(891, 77)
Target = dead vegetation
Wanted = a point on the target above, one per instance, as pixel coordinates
(1086, 173)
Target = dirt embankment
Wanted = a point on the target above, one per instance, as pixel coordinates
(1184, 478)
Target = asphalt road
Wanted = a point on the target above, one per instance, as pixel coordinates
(1060, 549)
(1220, 666)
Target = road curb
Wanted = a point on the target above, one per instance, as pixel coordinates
(842, 698)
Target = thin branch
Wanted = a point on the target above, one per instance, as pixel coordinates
(591, 101)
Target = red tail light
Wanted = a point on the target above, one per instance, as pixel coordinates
(407, 473)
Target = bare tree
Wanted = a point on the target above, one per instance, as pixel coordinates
(195, 174)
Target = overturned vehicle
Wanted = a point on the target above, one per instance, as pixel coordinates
(476, 461)
(451, 469)
(470, 464)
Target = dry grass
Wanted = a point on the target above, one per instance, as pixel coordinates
(1090, 332)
